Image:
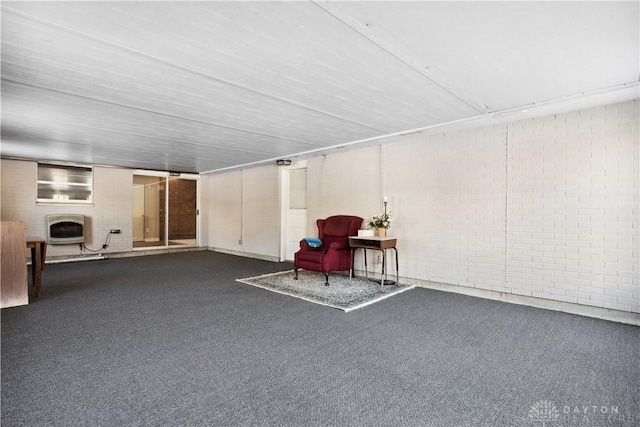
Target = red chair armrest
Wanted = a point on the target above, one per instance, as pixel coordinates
(338, 246)
(304, 246)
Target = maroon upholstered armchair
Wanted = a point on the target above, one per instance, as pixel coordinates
(334, 254)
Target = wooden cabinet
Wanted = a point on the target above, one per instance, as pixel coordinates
(14, 288)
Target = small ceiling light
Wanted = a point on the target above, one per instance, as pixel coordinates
(283, 162)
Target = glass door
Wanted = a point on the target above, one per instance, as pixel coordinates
(165, 211)
(148, 224)
(183, 212)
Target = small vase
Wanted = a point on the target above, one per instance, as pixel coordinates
(382, 232)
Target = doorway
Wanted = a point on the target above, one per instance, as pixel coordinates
(164, 211)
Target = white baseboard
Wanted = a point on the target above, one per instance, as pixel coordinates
(75, 259)
(547, 304)
(245, 254)
(565, 307)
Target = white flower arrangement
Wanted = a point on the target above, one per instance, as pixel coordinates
(381, 221)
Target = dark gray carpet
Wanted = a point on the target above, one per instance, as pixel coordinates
(171, 340)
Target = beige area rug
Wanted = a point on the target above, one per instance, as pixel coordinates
(343, 293)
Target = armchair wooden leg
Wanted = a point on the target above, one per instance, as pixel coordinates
(326, 276)
(296, 270)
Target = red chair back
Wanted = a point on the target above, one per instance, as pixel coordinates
(338, 228)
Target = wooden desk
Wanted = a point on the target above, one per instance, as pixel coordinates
(38, 248)
(379, 244)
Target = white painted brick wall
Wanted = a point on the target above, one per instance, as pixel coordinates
(245, 205)
(447, 193)
(261, 211)
(111, 209)
(225, 210)
(113, 199)
(553, 214)
(345, 183)
(573, 207)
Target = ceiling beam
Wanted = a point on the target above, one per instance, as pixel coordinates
(425, 70)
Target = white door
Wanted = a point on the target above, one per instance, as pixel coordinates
(296, 211)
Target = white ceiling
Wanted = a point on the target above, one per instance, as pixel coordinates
(211, 86)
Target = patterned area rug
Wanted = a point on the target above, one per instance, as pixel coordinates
(343, 293)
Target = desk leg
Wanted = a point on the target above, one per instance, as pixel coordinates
(386, 270)
(33, 266)
(36, 267)
(383, 273)
(366, 270)
(43, 255)
(351, 265)
(397, 268)
(37, 275)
